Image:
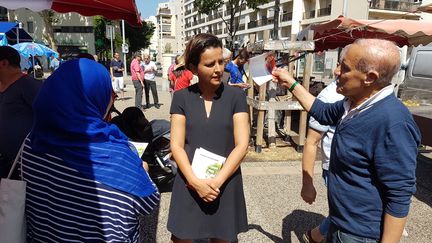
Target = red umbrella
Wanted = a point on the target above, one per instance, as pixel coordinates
(111, 9)
(343, 31)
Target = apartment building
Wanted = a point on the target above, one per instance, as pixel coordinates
(294, 15)
(74, 33)
(169, 28)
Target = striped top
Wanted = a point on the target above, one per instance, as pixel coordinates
(63, 206)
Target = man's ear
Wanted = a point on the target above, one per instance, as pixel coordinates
(371, 77)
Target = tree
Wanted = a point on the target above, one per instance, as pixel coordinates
(102, 44)
(234, 7)
(48, 17)
(139, 37)
(136, 37)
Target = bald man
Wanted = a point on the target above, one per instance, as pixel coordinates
(373, 156)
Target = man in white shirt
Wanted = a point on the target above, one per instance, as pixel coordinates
(150, 70)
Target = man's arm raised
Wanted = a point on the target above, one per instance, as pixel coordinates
(284, 78)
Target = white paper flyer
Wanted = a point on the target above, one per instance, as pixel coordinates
(258, 69)
(206, 164)
(139, 147)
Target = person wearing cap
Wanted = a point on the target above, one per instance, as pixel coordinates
(181, 76)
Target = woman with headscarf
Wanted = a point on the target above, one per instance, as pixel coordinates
(84, 183)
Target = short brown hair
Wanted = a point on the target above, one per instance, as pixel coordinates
(10, 54)
(243, 54)
(197, 45)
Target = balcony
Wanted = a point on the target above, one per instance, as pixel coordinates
(199, 21)
(404, 6)
(164, 11)
(212, 17)
(324, 11)
(252, 24)
(260, 22)
(217, 32)
(187, 12)
(309, 14)
(241, 27)
(286, 17)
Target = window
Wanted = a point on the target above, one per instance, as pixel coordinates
(30, 27)
(318, 62)
(3, 14)
(73, 29)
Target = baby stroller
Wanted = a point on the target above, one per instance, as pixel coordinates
(136, 127)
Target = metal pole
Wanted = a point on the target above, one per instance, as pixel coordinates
(276, 20)
(17, 34)
(160, 40)
(124, 54)
(111, 37)
(344, 10)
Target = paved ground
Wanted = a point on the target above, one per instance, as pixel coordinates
(276, 211)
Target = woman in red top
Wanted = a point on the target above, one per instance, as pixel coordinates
(180, 76)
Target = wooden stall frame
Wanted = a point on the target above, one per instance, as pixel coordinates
(271, 106)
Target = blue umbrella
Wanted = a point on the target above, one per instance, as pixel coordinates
(28, 49)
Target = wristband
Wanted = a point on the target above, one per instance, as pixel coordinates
(293, 86)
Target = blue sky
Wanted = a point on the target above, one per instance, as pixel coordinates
(147, 8)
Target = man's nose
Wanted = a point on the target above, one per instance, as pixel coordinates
(336, 71)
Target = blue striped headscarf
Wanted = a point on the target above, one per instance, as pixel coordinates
(68, 123)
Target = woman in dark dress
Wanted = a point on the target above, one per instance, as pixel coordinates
(213, 116)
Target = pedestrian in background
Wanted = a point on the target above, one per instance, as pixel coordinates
(116, 70)
(236, 69)
(180, 76)
(212, 116)
(150, 69)
(227, 55)
(54, 63)
(137, 79)
(169, 73)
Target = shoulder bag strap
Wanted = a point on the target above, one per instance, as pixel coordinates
(17, 159)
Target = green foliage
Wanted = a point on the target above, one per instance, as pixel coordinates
(139, 37)
(102, 44)
(207, 6)
(136, 37)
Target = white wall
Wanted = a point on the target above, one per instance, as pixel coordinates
(68, 19)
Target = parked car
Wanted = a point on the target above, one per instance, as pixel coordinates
(416, 90)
